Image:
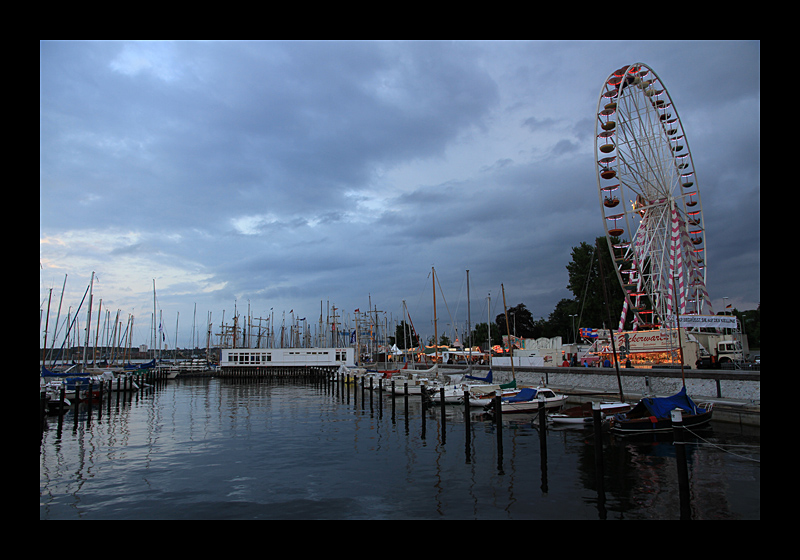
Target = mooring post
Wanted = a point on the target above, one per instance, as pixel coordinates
(391, 395)
(89, 402)
(676, 415)
(62, 396)
(466, 426)
(77, 403)
(444, 419)
(542, 415)
(598, 458)
(422, 395)
(498, 413)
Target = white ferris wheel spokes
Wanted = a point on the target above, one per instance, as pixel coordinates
(650, 199)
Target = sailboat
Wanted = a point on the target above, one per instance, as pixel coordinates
(652, 414)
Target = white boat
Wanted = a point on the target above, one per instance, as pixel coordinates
(414, 381)
(527, 400)
(194, 365)
(583, 414)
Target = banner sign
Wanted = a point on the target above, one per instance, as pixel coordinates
(645, 341)
(704, 321)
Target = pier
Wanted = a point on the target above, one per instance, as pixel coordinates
(736, 394)
(297, 373)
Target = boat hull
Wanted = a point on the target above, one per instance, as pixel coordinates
(653, 424)
(533, 405)
(584, 414)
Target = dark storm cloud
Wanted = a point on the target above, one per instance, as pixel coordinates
(286, 173)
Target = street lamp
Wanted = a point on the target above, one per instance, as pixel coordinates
(573, 326)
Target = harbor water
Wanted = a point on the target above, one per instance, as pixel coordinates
(210, 448)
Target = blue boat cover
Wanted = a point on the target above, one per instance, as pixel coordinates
(524, 395)
(661, 406)
(487, 379)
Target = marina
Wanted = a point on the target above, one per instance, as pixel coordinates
(317, 448)
(305, 208)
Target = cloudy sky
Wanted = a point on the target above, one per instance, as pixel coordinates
(284, 174)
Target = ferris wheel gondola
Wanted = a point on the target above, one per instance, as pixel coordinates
(649, 197)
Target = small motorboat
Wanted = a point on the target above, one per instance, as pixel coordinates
(527, 400)
(583, 414)
(416, 384)
(53, 395)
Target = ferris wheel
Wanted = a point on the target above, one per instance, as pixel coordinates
(650, 199)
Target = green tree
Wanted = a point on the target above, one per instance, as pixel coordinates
(405, 337)
(480, 335)
(586, 285)
(751, 325)
(520, 322)
(561, 321)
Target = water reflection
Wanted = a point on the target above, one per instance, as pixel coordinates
(200, 448)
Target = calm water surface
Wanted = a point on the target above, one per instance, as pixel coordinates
(217, 449)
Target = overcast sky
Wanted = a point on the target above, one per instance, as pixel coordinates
(284, 174)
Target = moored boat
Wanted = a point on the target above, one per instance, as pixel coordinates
(583, 414)
(652, 414)
(528, 399)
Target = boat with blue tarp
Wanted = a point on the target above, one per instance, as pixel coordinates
(527, 400)
(652, 414)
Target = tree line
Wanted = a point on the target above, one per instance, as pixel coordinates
(587, 307)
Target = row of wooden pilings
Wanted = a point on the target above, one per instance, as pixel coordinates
(288, 373)
(341, 385)
(93, 397)
(343, 382)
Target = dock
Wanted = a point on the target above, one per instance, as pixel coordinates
(736, 394)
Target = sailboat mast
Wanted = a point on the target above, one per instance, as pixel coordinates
(508, 333)
(155, 332)
(489, 325)
(97, 331)
(469, 324)
(88, 321)
(46, 326)
(58, 317)
(435, 323)
(608, 311)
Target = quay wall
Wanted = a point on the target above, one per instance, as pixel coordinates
(736, 394)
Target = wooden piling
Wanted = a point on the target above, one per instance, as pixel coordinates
(598, 453)
(422, 394)
(498, 414)
(442, 411)
(678, 430)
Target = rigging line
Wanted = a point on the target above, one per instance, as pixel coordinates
(460, 291)
(445, 303)
(586, 287)
(723, 450)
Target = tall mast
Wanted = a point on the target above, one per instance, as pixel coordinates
(97, 331)
(58, 316)
(155, 332)
(469, 324)
(508, 333)
(88, 321)
(435, 325)
(176, 336)
(489, 325)
(46, 326)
